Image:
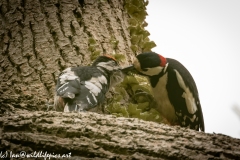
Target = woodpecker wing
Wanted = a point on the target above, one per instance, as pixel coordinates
(82, 87)
(69, 89)
(185, 95)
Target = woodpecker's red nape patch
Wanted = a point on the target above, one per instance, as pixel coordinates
(109, 56)
(163, 61)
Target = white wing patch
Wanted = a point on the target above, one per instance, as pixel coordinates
(63, 86)
(189, 99)
(102, 79)
(95, 85)
(95, 99)
(98, 81)
(92, 88)
(67, 75)
(89, 101)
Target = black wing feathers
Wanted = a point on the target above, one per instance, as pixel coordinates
(177, 98)
(82, 87)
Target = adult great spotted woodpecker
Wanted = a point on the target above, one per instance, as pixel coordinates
(82, 88)
(173, 88)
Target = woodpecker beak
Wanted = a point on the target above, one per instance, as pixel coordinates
(130, 68)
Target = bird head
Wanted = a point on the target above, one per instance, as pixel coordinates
(107, 62)
(148, 63)
(112, 67)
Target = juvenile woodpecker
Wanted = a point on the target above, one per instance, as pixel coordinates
(173, 88)
(82, 88)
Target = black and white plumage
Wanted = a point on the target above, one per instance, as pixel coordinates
(82, 88)
(174, 89)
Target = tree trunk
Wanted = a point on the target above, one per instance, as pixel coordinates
(38, 39)
(41, 38)
(92, 135)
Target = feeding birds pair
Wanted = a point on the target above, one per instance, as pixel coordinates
(174, 89)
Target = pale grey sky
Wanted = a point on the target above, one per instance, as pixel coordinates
(204, 35)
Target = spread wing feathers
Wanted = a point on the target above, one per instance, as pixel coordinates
(189, 110)
(82, 87)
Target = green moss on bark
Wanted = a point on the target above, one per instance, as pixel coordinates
(139, 36)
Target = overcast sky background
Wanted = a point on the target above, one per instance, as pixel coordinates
(204, 35)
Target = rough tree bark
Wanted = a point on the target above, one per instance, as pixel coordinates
(38, 39)
(91, 135)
